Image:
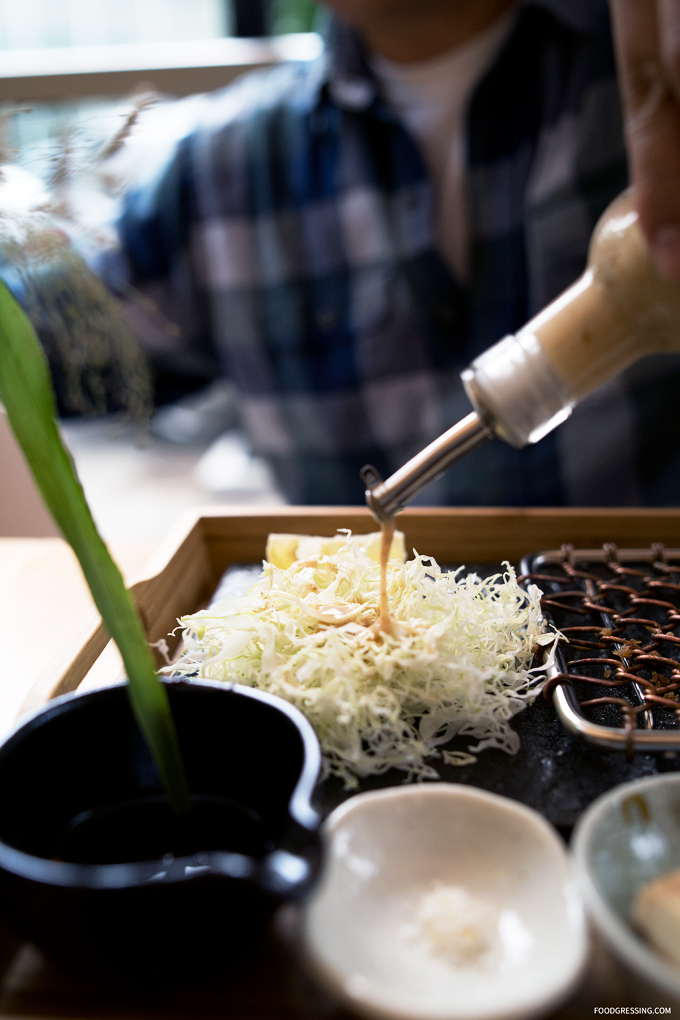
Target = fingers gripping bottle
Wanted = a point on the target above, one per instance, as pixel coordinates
(619, 310)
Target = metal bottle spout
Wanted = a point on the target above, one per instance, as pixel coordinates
(386, 498)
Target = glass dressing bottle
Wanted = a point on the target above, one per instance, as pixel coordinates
(619, 310)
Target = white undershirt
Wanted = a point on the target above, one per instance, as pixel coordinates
(431, 98)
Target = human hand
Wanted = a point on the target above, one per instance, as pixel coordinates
(647, 42)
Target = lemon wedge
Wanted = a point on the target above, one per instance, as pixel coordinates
(284, 549)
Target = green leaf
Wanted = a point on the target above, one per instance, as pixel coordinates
(27, 394)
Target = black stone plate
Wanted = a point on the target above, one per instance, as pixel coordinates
(553, 771)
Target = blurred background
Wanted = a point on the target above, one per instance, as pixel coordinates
(67, 71)
(38, 23)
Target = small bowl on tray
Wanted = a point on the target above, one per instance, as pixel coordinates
(97, 870)
(626, 839)
(442, 902)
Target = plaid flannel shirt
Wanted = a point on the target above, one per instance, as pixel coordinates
(290, 235)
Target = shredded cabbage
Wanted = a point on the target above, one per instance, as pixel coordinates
(456, 663)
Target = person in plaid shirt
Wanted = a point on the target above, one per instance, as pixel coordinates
(317, 235)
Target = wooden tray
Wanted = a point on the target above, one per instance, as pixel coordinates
(186, 570)
(179, 579)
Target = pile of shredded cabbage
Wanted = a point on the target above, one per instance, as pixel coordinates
(457, 661)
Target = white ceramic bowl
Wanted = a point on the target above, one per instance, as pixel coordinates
(626, 838)
(443, 902)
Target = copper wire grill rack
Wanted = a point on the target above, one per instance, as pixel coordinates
(616, 680)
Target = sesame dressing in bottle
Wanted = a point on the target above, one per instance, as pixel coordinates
(619, 310)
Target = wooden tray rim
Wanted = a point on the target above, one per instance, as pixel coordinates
(205, 540)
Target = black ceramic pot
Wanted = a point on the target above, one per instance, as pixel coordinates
(98, 872)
